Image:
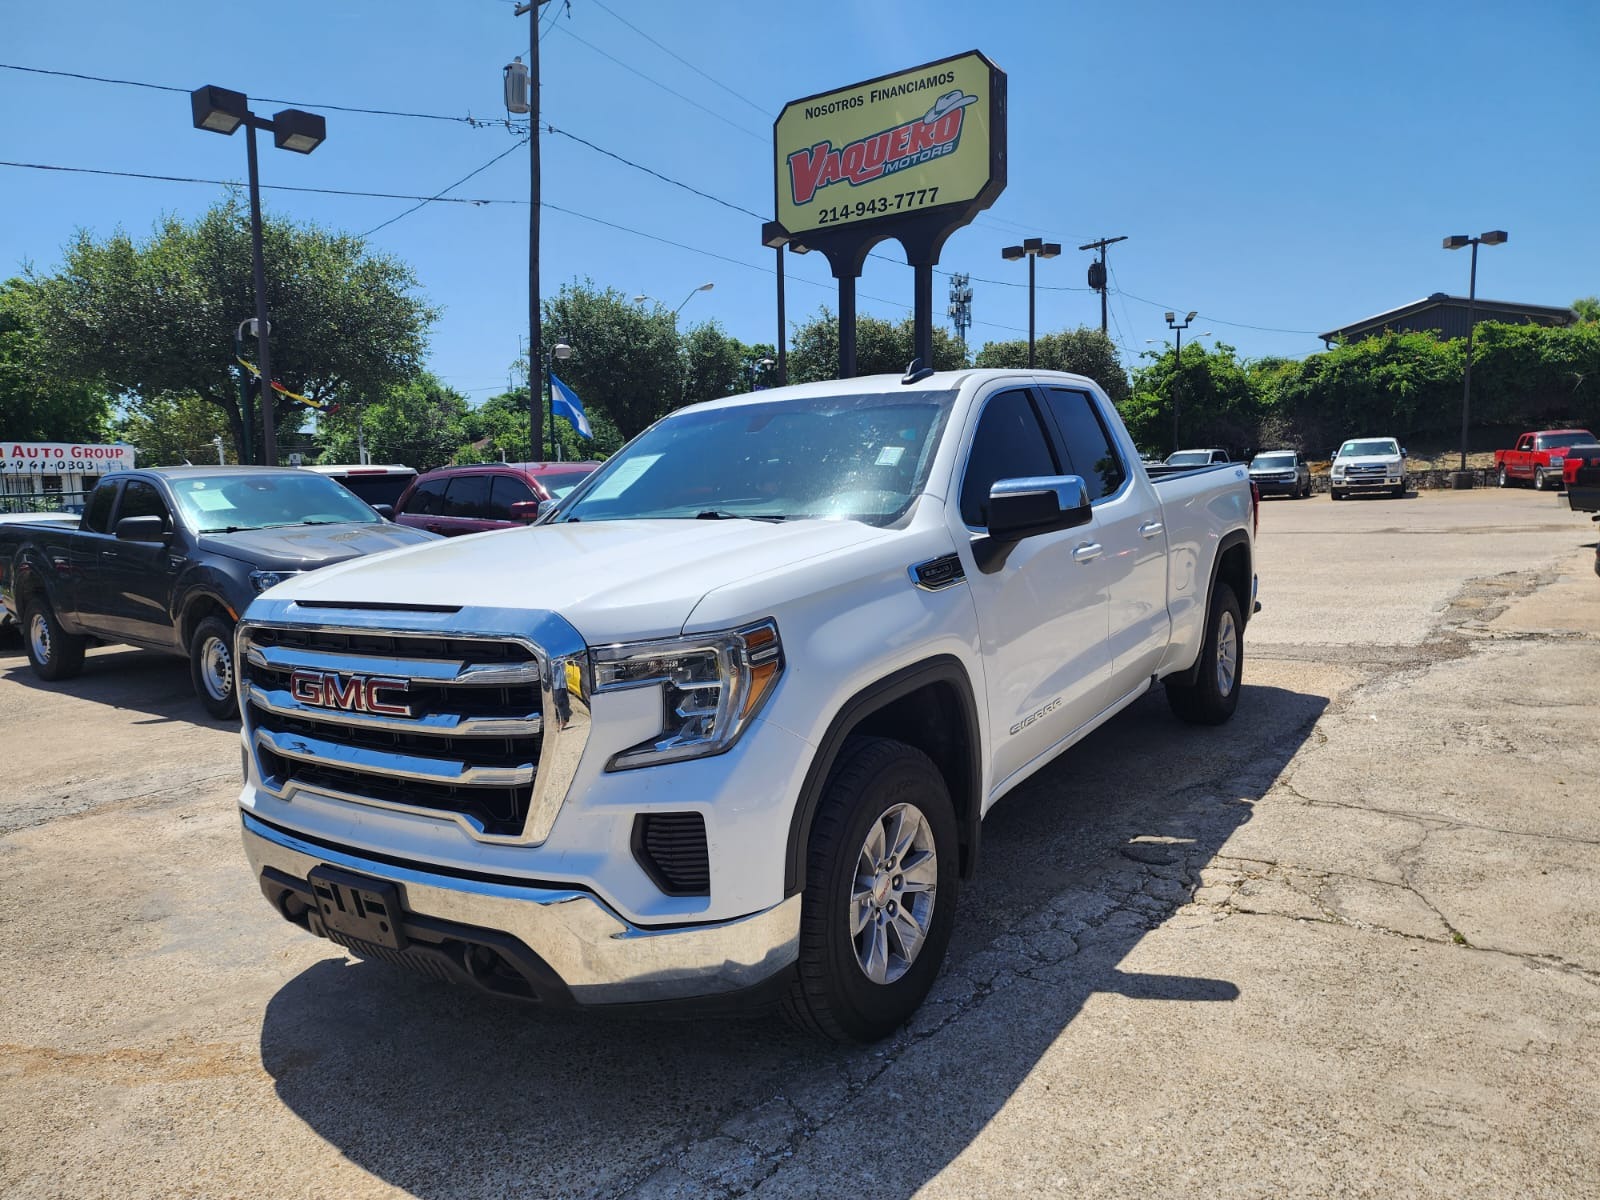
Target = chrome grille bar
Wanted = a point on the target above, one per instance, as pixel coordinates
(421, 670)
(442, 724)
(391, 764)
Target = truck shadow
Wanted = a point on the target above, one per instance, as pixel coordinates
(446, 1094)
(144, 681)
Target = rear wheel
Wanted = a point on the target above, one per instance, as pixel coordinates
(1212, 697)
(212, 669)
(880, 895)
(52, 651)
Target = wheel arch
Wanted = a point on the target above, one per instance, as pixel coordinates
(196, 608)
(1234, 566)
(929, 705)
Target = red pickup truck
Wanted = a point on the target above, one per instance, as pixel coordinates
(1538, 457)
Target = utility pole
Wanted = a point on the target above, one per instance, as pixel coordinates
(960, 310)
(1097, 271)
(531, 106)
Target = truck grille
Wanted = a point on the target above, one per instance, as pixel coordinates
(1376, 471)
(443, 725)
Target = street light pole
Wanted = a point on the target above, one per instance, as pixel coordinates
(1494, 237)
(1177, 368)
(776, 237)
(258, 269)
(219, 110)
(1031, 249)
(704, 287)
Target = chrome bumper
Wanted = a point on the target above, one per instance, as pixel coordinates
(600, 957)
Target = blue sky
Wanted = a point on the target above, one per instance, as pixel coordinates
(1278, 165)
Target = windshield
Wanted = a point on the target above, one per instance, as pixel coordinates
(376, 489)
(561, 486)
(1553, 441)
(1374, 446)
(859, 457)
(228, 503)
(1272, 462)
(1189, 458)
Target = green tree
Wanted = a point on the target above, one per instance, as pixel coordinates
(1081, 351)
(171, 430)
(419, 423)
(713, 363)
(1587, 308)
(626, 362)
(35, 403)
(498, 430)
(882, 348)
(157, 317)
(1217, 402)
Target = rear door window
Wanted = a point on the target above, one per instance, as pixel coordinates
(97, 516)
(1090, 451)
(467, 496)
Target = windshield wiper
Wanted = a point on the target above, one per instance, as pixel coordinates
(720, 514)
(224, 529)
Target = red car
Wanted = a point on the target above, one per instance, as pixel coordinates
(457, 500)
(1537, 457)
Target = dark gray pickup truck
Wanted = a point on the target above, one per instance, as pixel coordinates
(167, 559)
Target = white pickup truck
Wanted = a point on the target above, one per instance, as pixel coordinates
(722, 728)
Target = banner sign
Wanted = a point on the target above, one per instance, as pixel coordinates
(63, 458)
(930, 138)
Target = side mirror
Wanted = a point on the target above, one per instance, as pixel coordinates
(528, 511)
(386, 511)
(1404, 453)
(1021, 508)
(143, 529)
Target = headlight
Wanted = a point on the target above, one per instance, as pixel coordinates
(712, 685)
(1337, 471)
(262, 580)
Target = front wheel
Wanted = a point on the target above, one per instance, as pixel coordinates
(1500, 478)
(212, 669)
(880, 895)
(1335, 494)
(1212, 697)
(52, 651)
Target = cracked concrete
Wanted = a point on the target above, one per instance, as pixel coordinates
(1346, 945)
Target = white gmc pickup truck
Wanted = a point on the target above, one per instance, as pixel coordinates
(722, 728)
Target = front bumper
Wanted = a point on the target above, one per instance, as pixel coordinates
(1368, 483)
(1276, 487)
(551, 943)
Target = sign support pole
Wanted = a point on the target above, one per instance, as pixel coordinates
(922, 309)
(847, 326)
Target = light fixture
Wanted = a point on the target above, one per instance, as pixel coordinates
(299, 131)
(218, 109)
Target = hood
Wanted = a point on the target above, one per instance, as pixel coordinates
(306, 547)
(612, 580)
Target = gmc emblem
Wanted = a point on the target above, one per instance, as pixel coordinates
(351, 693)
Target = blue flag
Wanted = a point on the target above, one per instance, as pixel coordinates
(564, 402)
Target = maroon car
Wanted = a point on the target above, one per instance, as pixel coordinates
(457, 500)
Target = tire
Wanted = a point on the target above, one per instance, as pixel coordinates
(1501, 479)
(833, 995)
(52, 651)
(211, 667)
(1335, 494)
(1212, 697)
(1539, 485)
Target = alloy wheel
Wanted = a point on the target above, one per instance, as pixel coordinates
(891, 902)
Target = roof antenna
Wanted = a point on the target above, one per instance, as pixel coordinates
(915, 372)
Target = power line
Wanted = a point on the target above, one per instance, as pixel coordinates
(680, 58)
(739, 208)
(1219, 320)
(452, 187)
(748, 132)
(162, 87)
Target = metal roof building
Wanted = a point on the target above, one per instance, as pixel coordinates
(1446, 316)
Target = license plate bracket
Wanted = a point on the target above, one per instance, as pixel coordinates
(358, 906)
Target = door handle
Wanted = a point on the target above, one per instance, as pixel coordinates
(1087, 552)
(1150, 528)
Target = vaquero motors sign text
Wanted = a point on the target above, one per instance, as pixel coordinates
(63, 458)
(898, 146)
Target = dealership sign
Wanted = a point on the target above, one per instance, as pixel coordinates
(63, 458)
(917, 143)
